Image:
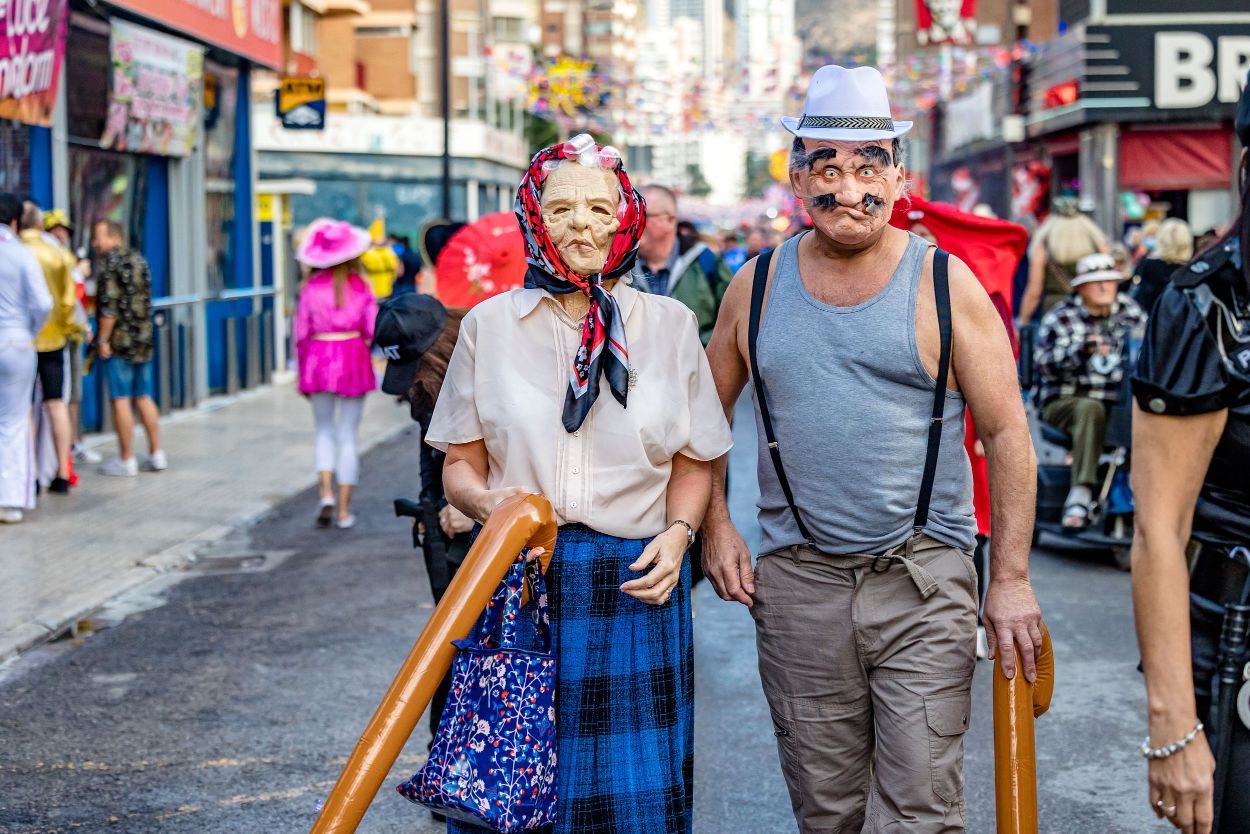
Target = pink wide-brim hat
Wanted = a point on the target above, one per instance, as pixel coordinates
(329, 243)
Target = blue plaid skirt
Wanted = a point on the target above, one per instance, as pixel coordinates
(624, 694)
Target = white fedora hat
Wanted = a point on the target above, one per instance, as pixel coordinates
(846, 105)
(1096, 267)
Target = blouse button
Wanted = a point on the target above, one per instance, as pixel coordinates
(572, 505)
(1158, 406)
(577, 433)
(576, 471)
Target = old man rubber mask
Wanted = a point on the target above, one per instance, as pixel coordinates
(579, 206)
(848, 188)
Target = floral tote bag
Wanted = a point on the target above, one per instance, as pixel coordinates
(493, 762)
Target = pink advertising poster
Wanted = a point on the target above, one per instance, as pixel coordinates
(32, 45)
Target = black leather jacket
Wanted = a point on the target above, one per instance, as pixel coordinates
(1195, 359)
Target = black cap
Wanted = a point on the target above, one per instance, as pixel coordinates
(1242, 123)
(434, 237)
(406, 327)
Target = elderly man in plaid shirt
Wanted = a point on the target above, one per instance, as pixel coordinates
(1081, 357)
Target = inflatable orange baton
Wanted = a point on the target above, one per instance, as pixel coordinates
(521, 521)
(1016, 704)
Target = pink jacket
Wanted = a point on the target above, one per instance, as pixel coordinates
(335, 363)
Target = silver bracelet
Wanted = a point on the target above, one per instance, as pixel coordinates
(1170, 750)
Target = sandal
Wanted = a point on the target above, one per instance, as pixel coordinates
(325, 513)
(1075, 515)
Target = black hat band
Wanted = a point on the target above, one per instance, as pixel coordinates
(848, 122)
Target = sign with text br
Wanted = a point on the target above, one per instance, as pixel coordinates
(302, 103)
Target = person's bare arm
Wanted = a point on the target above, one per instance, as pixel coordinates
(986, 371)
(464, 481)
(1170, 458)
(1033, 289)
(689, 485)
(726, 559)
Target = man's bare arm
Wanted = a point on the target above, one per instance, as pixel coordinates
(726, 560)
(986, 371)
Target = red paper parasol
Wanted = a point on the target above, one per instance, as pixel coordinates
(482, 259)
(991, 248)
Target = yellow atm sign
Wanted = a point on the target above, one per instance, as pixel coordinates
(301, 103)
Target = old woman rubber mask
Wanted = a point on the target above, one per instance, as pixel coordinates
(582, 220)
(579, 208)
(848, 188)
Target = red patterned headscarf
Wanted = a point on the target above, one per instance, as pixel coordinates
(603, 349)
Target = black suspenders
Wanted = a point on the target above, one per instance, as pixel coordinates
(941, 291)
(761, 395)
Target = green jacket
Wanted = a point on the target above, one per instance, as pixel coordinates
(699, 288)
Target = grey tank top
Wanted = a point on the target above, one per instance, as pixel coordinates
(851, 402)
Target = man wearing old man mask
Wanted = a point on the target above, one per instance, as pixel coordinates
(864, 344)
(600, 397)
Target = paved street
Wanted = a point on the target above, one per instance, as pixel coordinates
(230, 460)
(228, 702)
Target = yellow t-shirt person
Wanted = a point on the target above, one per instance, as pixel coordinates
(382, 264)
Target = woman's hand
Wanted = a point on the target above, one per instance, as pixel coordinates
(665, 552)
(485, 502)
(453, 521)
(1182, 789)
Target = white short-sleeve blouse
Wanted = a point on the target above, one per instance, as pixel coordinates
(506, 385)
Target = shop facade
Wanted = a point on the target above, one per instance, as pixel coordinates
(1137, 111)
(974, 133)
(370, 166)
(151, 128)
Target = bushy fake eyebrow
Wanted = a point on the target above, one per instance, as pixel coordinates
(820, 155)
(875, 154)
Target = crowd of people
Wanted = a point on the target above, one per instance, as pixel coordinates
(864, 594)
(60, 311)
(608, 384)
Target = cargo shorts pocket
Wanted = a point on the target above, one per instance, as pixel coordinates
(947, 715)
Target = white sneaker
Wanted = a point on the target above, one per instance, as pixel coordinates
(345, 523)
(983, 644)
(156, 462)
(119, 468)
(10, 515)
(84, 455)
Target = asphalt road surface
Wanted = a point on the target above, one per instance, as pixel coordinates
(228, 701)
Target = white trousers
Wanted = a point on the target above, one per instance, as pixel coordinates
(17, 452)
(335, 449)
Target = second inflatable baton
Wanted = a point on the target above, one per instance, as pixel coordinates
(1016, 704)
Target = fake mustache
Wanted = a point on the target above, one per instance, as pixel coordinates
(871, 204)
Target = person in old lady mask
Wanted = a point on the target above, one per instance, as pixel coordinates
(599, 397)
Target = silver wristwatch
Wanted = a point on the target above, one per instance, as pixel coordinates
(689, 531)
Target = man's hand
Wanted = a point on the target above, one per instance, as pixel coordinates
(727, 562)
(666, 551)
(1013, 619)
(103, 349)
(453, 521)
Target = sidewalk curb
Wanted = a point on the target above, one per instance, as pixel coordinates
(177, 557)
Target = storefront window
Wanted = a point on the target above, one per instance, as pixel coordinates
(219, 130)
(14, 157)
(89, 68)
(104, 185)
